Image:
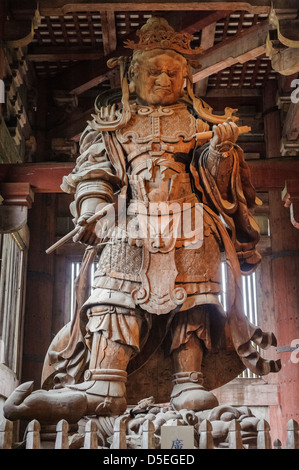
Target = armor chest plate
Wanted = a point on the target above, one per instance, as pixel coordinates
(155, 132)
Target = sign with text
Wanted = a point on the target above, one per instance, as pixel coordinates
(177, 437)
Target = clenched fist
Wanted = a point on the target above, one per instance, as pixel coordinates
(225, 135)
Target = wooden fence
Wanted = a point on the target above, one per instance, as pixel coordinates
(119, 439)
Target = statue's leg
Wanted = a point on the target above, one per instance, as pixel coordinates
(105, 380)
(115, 338)
(188, 391)
(103, 391)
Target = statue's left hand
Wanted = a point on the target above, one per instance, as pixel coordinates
(225, 136)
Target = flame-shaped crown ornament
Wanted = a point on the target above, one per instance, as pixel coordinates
(158, 34)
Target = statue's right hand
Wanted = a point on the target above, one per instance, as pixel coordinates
(88, 233)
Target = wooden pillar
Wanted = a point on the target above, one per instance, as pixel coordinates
(43, 147)
(272, 124)
(39, 293)
(285, 273)
(283, 270)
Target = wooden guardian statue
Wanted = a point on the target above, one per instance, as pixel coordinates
(177, 184)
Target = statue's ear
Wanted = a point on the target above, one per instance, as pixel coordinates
(132, 87)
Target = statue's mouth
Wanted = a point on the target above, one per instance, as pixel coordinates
(163, 88)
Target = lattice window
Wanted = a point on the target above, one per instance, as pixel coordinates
(12, 267)
(75, 269)
(249, 304)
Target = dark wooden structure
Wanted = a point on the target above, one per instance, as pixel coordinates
(52, 67)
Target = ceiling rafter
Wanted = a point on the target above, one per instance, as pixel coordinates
(207, 41)
(61, 53)
(240, 48)
(108, 32)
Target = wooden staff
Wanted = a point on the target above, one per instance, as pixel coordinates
(92, 219)
(209, 134)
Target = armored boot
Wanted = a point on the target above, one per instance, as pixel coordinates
(105, 391)
(188, 393)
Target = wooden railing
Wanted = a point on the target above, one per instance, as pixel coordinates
(148, 441)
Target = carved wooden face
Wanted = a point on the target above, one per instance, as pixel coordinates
(159, 77)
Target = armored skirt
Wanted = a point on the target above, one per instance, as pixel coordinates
(183, 278)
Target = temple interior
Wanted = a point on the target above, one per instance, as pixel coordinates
(53, 66)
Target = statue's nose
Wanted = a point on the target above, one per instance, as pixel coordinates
(163, 79)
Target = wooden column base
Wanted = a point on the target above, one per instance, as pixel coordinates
(17, 198)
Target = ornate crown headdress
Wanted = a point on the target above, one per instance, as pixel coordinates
(158, 34)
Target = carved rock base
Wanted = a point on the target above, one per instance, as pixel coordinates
(223, 419)
(220, 417)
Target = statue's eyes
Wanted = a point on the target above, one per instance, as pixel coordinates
(155, 73)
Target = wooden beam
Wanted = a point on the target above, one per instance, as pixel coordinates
(16, 194)
(57, 53)
(248, 94)
(72, 128)
(62, 7)
(42, 177)
(197, 21)
(240, 48)
(286, 61)
(17, 199)
(108, 31)
(82, 76)
(207, 41)
(272, 173)
(47, 177)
